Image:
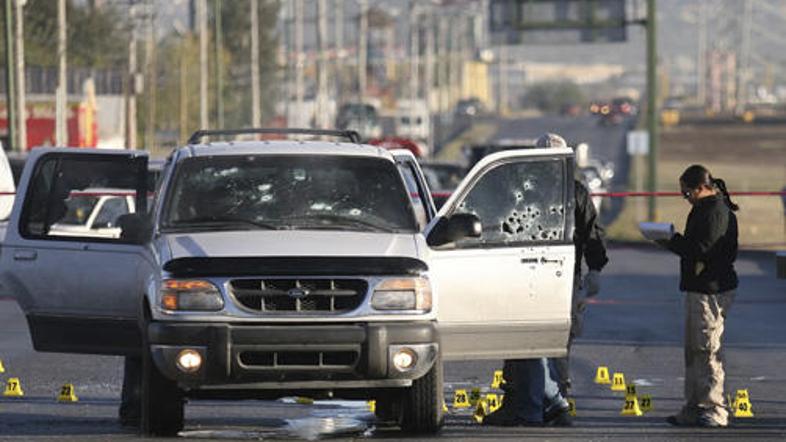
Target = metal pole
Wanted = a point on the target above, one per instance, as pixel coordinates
(701, 57)
(414, 62)
(256, 113)
(203, 92)
(299, 62)
(428, 69)
(61, 136)
(132, 83)
(339, 48)
(219, 67)
(21, 104)
(652, 107)
(10, 84)
(362, 48)
(322, 68)
(150, 74)
(183, 86)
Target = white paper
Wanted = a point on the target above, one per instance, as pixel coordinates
(656, 231)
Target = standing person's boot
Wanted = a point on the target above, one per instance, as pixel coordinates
(505, 415)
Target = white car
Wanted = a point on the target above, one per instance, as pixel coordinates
(94, 213)
(272, 268)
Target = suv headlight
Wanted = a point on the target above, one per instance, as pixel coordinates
(402, 294)
(190, 294)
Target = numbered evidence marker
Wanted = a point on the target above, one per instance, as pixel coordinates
(572, 407)
(741, 395)
(474, 396)
(461, 399)
(631, 407)
(742, 404)
(630, 390)
(645, 402)
(481, 411)
(493, 402)
(618, 382)
(13, 388)
(2, 368)
(372, 406)
(497, 381)
(602, 375)
(67, 394)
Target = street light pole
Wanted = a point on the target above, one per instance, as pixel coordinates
(21, 105)
(61, 136)
(10, 84)
(256, 112)
(652, 107)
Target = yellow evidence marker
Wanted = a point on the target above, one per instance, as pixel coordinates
(302, 400)
(461, 399)
(2, 368)
(645, 403)
(572, 407)
(631, 407)
(618, 382)
(474, 396)
(481, 411)
(742, 404)
(445, 407)
(13, 388)
(493, 402)
(741, 395)
(630, 389)
(602, 375)
(67, 394)
(497, 381)
(372, 406)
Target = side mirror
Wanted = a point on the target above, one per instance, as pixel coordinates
(458, 226)
(135, 228)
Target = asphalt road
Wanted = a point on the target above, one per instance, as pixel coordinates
(634, 327)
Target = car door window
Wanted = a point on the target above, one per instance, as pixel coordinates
(421, 214)
(518, 203)
(64, 191)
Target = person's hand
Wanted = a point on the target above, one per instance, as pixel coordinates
(592, 283)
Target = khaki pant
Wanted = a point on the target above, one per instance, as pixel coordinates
(704, 375)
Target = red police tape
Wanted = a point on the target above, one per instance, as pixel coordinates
(634, 194)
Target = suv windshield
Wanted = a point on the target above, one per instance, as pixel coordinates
(288, 192)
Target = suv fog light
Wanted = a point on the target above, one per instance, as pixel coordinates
(405, 359)
(189, 361)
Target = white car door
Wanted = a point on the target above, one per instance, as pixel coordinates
(80, 293)
(507, 293)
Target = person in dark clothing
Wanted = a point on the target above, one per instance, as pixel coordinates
(707, 252)
(130, 401)
(533, 387)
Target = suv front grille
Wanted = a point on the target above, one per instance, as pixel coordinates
(293, 359)
(299, 295)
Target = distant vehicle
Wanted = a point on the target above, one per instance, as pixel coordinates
(94, 213)
(418, 149)
(413, 120)
(360, 117)
(469, 107)
(442, 178)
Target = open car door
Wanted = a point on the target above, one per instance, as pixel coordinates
(78, 286)
(507, 292)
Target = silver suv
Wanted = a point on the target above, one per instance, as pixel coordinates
(274, 268)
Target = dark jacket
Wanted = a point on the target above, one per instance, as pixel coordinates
(589, 236)
(708, 248)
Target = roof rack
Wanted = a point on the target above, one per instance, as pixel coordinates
(351, 135)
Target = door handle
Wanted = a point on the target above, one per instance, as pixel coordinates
(25, 255)
(544, 260)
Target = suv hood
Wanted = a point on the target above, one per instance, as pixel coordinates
(303, 243)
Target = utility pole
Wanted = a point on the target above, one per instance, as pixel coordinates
(21, 103)
(743, 69)
(299, 61)
(362, 48)
(701, 57)
(256, 112)
(150, 74)
(414, 61)
(184, 86)
(339, 49)
(428, 71)
(131, 90)
(219, 67)
(652, 107)
(203, 71)
(503, 80)
(443, 57)
(322, 68)
(61, 134)
(10, 84)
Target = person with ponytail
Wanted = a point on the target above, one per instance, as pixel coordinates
(707, 251)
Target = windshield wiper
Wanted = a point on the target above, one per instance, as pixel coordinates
(221, 222)
(347, 222)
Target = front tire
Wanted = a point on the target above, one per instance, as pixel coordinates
(422, 403)
(162, 401)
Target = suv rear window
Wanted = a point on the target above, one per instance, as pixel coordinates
(288, 192)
